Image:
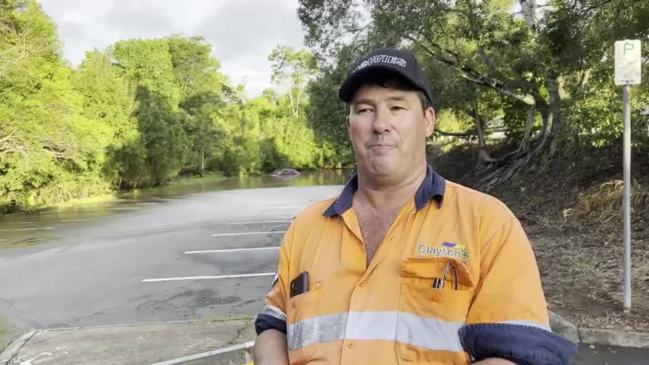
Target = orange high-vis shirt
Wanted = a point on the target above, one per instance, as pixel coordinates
(454, 273)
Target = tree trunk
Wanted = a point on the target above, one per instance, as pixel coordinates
(528, 9)
(202, 161)
(524, 145)
(483, 154)
(555, 88)
(290, 99)
(299, 100)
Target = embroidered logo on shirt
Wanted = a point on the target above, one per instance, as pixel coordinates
(453, 245)
(446, 249)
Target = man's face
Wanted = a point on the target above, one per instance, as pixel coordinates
(388, 130)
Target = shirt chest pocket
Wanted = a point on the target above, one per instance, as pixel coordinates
(304, 325)
(435, 296)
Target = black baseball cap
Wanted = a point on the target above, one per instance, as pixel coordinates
(400, 62)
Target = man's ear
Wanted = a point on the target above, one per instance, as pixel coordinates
(430, 120)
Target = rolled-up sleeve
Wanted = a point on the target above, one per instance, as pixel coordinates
(508, 317)
(273, 315)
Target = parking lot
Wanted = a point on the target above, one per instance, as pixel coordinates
(201, 256)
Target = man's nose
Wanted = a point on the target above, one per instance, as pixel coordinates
(381, 122)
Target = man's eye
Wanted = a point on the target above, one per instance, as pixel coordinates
(397, 107)
(364, 110)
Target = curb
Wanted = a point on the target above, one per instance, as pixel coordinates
(246, 346)
(637, 340)
(563, 327)
(10, 352)
(591, 336)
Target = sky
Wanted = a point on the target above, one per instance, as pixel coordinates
(241, 32)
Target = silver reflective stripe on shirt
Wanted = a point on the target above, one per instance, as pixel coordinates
(273, 311)
(407, 328)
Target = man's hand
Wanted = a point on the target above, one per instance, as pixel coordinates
(270, 348)
(494, 361)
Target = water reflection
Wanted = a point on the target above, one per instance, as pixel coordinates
(24, 229)
(307, 178)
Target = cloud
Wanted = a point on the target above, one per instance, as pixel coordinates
(244, 38)
(242, 32)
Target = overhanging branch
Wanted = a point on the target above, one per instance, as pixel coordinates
(465, 134)
(451, 58)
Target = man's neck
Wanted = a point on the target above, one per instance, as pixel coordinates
(388, 196)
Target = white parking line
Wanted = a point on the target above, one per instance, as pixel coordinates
(246, 233)
(185, 359)
(27, 229)
(258, 222)
(147, 203)
(283, 215)
(298, 206)
(230, 250)
(125, 208)
(215, 277)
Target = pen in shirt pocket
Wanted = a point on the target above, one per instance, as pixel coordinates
(439, 283)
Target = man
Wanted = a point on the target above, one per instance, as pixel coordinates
(404, 266)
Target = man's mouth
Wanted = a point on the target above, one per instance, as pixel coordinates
(382, 145)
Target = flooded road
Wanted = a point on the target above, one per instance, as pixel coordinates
(50, 224)
(102, 263)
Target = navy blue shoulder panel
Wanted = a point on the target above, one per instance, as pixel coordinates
(266, 322)
(345, 200)
(524, 345)
(432, 188)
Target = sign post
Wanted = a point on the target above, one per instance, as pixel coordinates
(627, 72)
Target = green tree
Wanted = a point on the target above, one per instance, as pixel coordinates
(162, 135)
(292, 70)
(109, 104)
(240, 143)
(159, 151)
(49, 151)
(530, 66)
(204, 90)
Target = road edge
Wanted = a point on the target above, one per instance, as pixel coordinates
(14, 347)
(596, 336)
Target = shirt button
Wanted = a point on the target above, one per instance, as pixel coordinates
(351, 345)
(361, 284)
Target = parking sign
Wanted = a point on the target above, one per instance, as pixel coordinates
(628, 62)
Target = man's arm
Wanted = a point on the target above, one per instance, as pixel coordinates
(270, 325)
(508, 316)
(270, 348)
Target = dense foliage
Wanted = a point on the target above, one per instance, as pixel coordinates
(137, 114)
(541, 71)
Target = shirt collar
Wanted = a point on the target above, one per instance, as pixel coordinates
(431, 188)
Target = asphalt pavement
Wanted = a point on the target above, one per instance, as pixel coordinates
(610, 355)
(152, 261)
